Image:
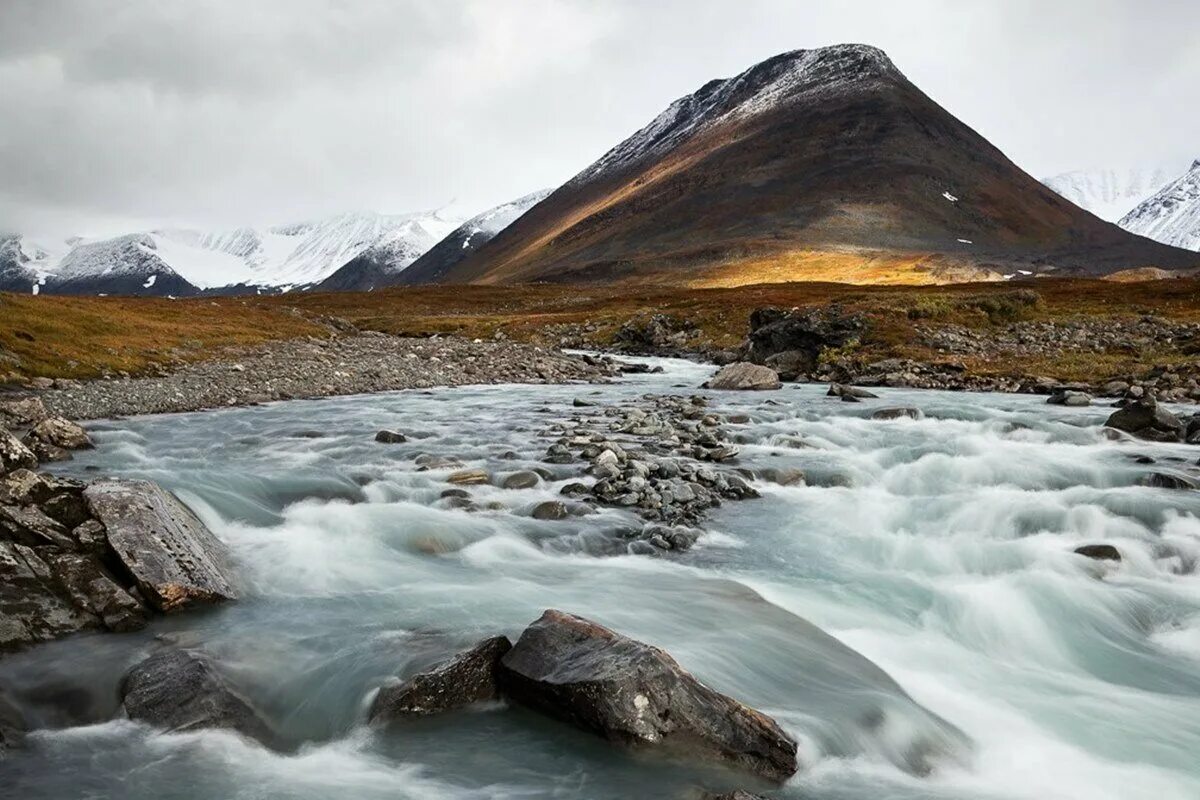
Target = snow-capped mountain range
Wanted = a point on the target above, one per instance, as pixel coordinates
(1111, 193)
(1161, 203)
(174, 261)
(1172, 214)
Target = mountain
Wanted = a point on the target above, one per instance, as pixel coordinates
(1172, 214)
(822, 164)
(1111, 193)
(372, 270)
(187, 262)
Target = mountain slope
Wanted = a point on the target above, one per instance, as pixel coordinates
(813, 165)
(1171, 215)
(1111, 193)
(465, 240)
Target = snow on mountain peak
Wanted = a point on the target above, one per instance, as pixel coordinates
(1111, 193)
(1172, 214)
(761, 88)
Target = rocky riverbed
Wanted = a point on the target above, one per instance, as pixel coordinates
(307, 368)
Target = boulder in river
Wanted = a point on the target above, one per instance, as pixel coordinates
(1146, 419)
(469, 477)
(175, 560)
(1167, 480)
(183, 690)
(634, 694)
(843, 391)
(1099, 552)
(470, 677)
(744, 375)
(904, 412)
(1069, 397)
(390, 437)
(525, 479)
(550, 510)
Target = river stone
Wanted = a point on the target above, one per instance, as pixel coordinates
(469, 677)
(27, 525)
(469, 477)
(176, 561)
(744, 375)
(390, 437)
(1146, 419)
(21, 413)
(735, 795)
(31, 607)
(634, 694)
(93, 589)
(14, 454)
(1069, 397)
(899, 413)
(853, 392)
(59, 432)
(525, 479)
(1099, 552)
(182, 690)
(1165, 480)
(550, 510)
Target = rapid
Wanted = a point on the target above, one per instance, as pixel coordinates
(926, 569)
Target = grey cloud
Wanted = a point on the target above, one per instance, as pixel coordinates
(127, 114)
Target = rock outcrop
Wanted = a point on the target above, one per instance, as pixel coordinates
(744, 375)
(175, 560)
(468, 678)
(792, 341)
(634, 694)
(183, 690)
(1144, 418)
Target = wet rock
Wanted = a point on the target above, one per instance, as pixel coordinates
(854, 392)
(744, 376)
(634, 694)
(898, 413)
(1146, 419)
(183, 690)
(428, 461)
(454, 493)
(469, 477)
(550, 510)
(575, 490)
(1167, 480)
(390, 437)
(58, 432)
(525, 479)
(579, 402)
(468, 678)
(176, 562)
(784, 476)
(735, 795)
(14, 454)
(1099, 552)
(1069, 397)
(32, 606)
(92, 589)
(29, 526)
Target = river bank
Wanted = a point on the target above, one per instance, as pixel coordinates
(321, 367)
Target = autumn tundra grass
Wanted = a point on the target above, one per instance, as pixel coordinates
(91, 337)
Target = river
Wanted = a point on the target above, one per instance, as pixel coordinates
(940, 549)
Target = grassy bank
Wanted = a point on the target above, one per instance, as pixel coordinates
(86, 337)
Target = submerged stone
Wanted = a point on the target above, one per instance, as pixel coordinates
(469, 677)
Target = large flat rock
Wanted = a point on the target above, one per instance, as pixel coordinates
(635, 694)
(175, 560)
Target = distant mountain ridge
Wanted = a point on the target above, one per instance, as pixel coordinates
(1111, 193)
(823, 164)
(1172, 214)
(184, 262)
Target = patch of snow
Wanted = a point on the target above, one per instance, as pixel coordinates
(950, 197)
(150, 281)
(966, 241)
(1024, 272)
(36, 288)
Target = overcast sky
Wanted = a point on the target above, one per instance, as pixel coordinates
(119, 116)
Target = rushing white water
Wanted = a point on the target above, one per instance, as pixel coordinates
(939, 549)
